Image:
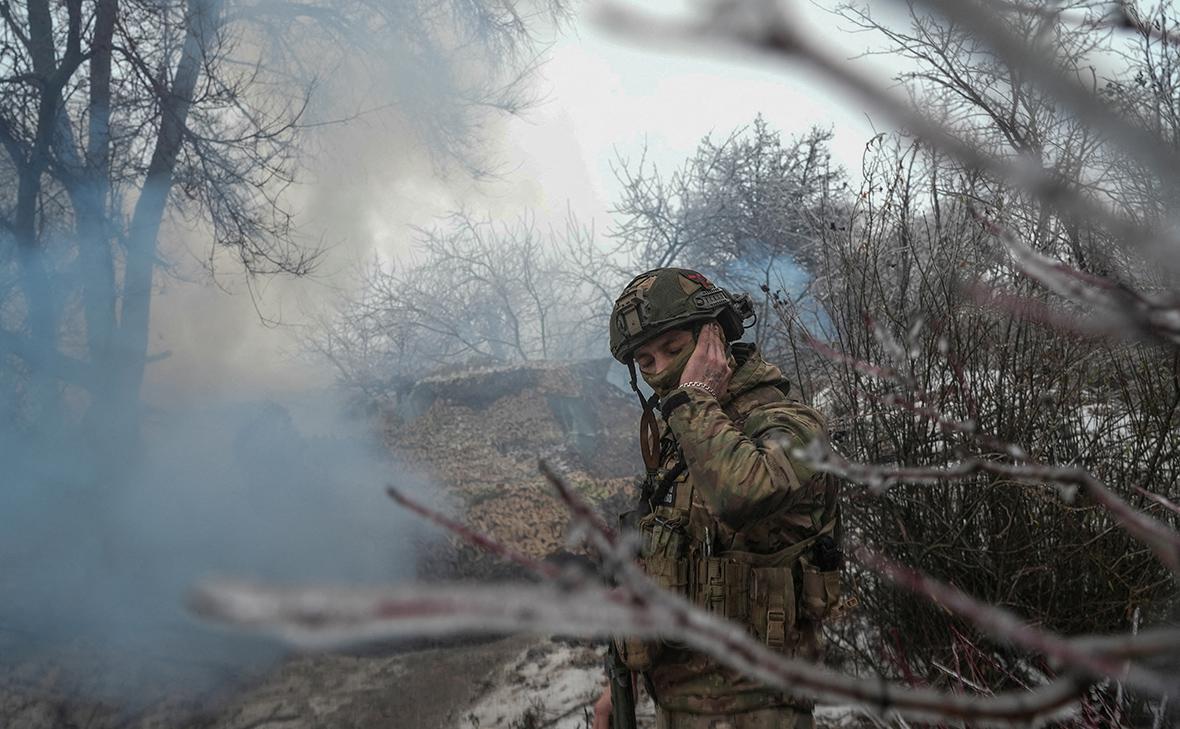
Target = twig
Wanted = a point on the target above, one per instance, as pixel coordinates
(1122, 306)
(1162, 541)
(1144, 644)
(960, 677)
(474, 538)
(1169, 505)
(569, 712)
(1005, 626)
(580, 510)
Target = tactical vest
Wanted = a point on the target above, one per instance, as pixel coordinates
(781, 595)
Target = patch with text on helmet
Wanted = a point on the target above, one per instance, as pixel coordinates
(712, 297)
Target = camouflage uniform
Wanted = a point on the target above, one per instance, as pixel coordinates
(733, 528)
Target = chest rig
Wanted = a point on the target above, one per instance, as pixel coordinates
(777, 575)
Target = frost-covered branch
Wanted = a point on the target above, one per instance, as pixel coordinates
(324, 617)
(1120, 310)
(320, 618)
(1043, 69)
(1068, 480)
(471, 536)
(1166, 503)
(1120, 15)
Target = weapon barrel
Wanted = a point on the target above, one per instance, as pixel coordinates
(622, 690)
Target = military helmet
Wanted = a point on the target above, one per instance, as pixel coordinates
(663, 299)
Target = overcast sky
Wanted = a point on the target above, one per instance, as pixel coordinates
(601, 97)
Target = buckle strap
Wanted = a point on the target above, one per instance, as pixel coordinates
(786, 556)
(776, 612)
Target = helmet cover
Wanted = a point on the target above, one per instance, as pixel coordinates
(664, 299)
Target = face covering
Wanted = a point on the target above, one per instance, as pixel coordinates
(668, 379)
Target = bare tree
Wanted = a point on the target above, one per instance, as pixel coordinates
(117, 115)
(475, 292)
(743, 210)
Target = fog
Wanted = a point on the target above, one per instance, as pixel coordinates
(248, 464)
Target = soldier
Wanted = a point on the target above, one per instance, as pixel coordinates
(729, 518)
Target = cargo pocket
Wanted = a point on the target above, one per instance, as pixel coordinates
(821, 591)
(772, 607)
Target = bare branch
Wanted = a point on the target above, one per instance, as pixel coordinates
(1120, 306)
(1043, 69)
(1163, 542)
(1005, 626)
(472, 537)
(1120, 16)
(322, 618)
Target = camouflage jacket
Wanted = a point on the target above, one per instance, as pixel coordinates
(734, 490)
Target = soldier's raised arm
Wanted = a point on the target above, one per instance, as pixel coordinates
(740, 471)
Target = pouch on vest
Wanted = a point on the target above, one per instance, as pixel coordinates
(662, 545)
(722, 587)
(821, 590)
(638, 654)
(772, 607)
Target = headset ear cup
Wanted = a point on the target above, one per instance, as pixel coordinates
(731, 324)
(733, 317)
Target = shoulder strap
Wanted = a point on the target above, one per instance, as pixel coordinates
(665, 484)
(787, 555)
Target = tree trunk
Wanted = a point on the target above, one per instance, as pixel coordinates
(92, 200)
(40, 319)
(204, 21)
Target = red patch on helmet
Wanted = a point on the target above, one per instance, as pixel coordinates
(699, 278)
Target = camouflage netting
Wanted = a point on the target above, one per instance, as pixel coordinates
(480, 433)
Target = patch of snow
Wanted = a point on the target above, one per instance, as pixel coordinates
(554, 685)
(557, 682)
(831, 717)
(550, 679)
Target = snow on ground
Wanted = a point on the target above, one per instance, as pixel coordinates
(834, 717)
(552, 684)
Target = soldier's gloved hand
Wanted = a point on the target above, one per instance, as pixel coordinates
(710, 360)
(602, 709)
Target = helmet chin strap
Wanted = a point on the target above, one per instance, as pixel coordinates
(649, 429)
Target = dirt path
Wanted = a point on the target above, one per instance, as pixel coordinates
(427, 689)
